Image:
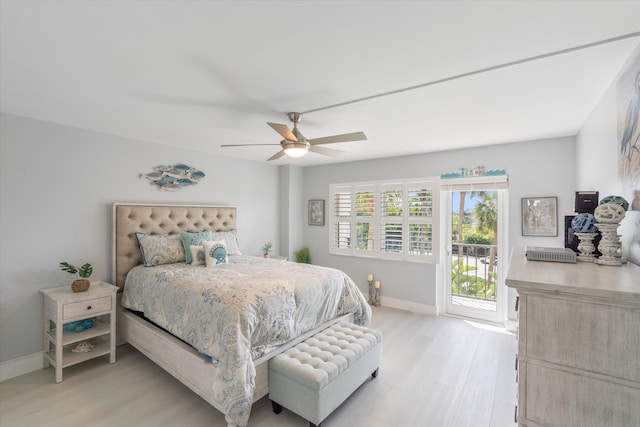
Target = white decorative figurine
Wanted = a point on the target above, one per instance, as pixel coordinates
(585, 229)
(83, 347)
(608, 216)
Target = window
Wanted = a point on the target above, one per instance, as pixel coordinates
(385, 219)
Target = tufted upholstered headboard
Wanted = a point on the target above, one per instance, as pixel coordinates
(129, 219)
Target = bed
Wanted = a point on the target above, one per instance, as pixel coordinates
(242, 312)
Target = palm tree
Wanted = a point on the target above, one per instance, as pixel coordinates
(463, 195)
(461, 221)
(487, 215)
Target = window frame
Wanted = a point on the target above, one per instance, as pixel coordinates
(355, 191)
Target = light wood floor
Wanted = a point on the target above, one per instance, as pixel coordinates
(436, 371)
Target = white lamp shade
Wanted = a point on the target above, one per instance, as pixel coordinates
(296, 149)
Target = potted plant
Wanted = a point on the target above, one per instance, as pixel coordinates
(266, 249)
(81, 284)
(303, 256)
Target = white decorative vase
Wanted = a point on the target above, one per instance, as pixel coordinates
(586, 247)
(609, 216)
(609, 245)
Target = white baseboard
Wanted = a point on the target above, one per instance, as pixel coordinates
(21, 365)
(33, 362)
(413, 307)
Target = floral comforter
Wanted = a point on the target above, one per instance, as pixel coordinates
(239, 311)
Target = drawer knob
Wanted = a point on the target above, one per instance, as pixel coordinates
(89, 307)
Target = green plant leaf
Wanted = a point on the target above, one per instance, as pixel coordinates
(65, 266)
(303, 256)
(85, 271)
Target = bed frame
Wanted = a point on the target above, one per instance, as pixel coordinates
(189, 366)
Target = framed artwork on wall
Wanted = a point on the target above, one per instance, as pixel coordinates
(316, 212)
(540, 216)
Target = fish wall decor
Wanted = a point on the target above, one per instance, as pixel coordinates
(173, 177)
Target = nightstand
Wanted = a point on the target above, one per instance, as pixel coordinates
(61, 306)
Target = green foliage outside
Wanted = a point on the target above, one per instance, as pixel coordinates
(478, 227)
(464, 281)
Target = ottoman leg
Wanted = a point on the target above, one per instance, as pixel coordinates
(375, 373)
(277, 408)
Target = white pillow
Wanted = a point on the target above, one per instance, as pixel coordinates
(160, 249)
(230, 239)
(197, 255)
(215, 252)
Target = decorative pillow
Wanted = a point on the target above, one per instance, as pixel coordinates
(215, 253)
(197, 255)
(231, 240)
(160, 249)
(195, 239)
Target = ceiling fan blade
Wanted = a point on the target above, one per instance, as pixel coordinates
(326, 151)
(345, 137)
(276, 156)
(284, 131)
(246, 145)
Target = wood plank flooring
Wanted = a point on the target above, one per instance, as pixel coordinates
(436, 372)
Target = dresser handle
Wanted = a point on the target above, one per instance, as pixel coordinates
(515, 416)
(517, 302)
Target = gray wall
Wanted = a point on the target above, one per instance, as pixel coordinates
(535, 168)
(597, 161)
(291, 211)
(72, 177)
(57, 187)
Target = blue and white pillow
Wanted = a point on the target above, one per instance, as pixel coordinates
(195, 239)
(197, 255)
(230, 239)
(158, 249)
(215, 252)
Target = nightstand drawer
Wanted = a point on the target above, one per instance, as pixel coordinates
(86, 308)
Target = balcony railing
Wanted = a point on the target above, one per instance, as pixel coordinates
(473, 271)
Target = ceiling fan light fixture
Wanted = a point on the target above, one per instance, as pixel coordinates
(295, 149)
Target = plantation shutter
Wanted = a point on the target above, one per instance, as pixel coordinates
(420, 225)
(385, 219)
(341, 219)
(391, 220)
(365, 219)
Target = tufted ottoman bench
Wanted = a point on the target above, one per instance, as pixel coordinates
(314, 377)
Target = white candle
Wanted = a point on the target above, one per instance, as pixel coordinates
(370, 277)
(377, 285)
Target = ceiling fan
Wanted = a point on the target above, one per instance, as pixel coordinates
(295, 144)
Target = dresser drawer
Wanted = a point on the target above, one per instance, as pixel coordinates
(86, 308)
(598, 338)
(557, 398)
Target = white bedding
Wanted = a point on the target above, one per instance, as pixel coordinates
(239, 311)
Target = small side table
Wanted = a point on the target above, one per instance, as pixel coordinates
(62, 305)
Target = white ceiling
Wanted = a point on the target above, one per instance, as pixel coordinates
(197, 74)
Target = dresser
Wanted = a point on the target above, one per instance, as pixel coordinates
(578, 361)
